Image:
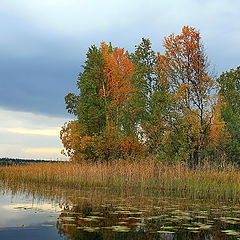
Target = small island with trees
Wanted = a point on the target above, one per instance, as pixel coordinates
(169, 106)
(149, 122)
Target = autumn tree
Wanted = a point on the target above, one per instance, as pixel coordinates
(77, 145)
(104, 91)
(183, 69)
(116, 86)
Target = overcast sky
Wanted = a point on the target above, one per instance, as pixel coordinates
(43, 44)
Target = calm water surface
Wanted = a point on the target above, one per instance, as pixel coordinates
(93, 215)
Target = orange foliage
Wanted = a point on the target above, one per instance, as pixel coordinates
(115, 90)
(74, 141)
(111, 145)
(131, 147)
(187, 116)
(118, 71)
(217, 132)
(184, 67)
(184, 71)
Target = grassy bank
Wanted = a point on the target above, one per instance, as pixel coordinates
(138, 177)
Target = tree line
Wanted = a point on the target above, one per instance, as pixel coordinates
(18, 161)
(166, 105)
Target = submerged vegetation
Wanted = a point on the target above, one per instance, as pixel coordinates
(96, 214)
(142, 178)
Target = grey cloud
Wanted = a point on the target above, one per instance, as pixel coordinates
(42, 49)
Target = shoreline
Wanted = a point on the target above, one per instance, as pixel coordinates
(134, 177)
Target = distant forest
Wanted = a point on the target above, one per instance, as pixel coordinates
(16, 161)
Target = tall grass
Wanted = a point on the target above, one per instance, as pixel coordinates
(145, 177)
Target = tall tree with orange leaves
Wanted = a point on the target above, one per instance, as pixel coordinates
(116, 86)
(184, 69)
(104, 91)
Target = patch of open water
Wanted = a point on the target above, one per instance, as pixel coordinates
(81, 216)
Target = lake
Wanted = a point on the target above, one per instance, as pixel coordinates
(27, 213)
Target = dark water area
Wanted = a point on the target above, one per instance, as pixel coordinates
(94, 215)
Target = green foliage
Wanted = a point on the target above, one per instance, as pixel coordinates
(230, 90)
(88, 107)
(144, 79)
(166, 105)
(71, 101)
(102, 130)
(150, 101)
(91, 108)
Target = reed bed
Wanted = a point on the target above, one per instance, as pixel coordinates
(145, 177)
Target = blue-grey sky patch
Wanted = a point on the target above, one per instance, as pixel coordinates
(44, 42)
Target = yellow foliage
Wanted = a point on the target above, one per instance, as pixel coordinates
(218, 132)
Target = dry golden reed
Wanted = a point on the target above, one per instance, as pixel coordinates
(145, 177)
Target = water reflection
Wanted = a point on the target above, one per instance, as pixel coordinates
(166, 221)
(24, 217)
(33, 213)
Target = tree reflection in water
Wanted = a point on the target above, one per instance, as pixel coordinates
(85, 221)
